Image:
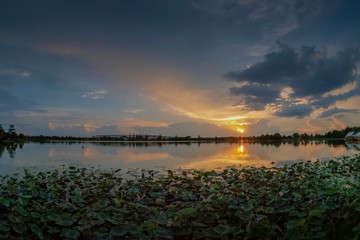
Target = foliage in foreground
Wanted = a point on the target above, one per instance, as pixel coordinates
(311, 200)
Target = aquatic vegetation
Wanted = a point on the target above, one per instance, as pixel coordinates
(310, 200)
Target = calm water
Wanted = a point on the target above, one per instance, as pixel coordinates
(153, 155)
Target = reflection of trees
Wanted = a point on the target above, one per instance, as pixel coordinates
(10, 148)
(140, 144)
(298, 142)
(274, 143)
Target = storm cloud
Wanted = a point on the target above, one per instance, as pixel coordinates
(257, 96)
(298, 110)
(333, 111)
(309, 72)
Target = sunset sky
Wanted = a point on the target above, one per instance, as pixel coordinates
(179, 67)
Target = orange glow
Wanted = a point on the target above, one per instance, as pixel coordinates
(228, 118)
(240, 130)
(241, 149)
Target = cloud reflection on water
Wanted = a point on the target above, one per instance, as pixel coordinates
(182, 155)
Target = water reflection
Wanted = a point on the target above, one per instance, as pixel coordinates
(241, 149)
(186, 155)
(10, 148)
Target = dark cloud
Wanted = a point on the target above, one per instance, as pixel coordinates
(267, 21)
(308, 71)
(325, 102)
(299, 110)
(257, 96)
(333, 111)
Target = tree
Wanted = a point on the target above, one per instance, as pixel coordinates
(12, 131)
(277, 136)
(296, 135)
(2, 132)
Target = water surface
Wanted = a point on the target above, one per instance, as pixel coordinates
(166, 155)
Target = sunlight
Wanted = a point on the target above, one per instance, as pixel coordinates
(241, 130)
(229, 118)
(241, 149)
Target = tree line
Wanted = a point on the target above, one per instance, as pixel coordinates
(10, 134)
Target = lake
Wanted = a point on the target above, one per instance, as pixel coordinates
(154, 155)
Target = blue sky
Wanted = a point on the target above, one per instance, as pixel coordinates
(184, 67)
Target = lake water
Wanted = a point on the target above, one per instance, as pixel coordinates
(166, 155)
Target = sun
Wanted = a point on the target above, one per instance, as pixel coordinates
(240, 130)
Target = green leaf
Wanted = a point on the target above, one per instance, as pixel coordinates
(162, 234)
(68, 233)
(102, 203)
(5, 202)
(215, 185)
(332, 191)
(133, 229)
(54, 217)
(27, 196)
(119, 231)
(316, 213)
(297, 196)
(212, 233)
(186, 212)
(199, 224)
(301, 222)
(54, 189)
(319, 234)
(35, 215)
(117, 202)
(22, 202)
(4, 228)
(116, 219)
(37, 230)
(179, 231)
(66, 222)
(20, 227)
(222, 229)
(21, 211)
(104, 236)
(236, 230)
(270, 210)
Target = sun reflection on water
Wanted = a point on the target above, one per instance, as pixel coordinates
(241, 149)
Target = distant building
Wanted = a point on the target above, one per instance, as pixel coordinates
(352, 136)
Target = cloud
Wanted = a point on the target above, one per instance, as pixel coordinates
(260, 127)
(257, 96)
(215, 7)
(95, 94)
(333, 111)
(187, 129)
(263, 21)
(269, 21)
(308, 72)
(327, 100)
(9, 74)
(299, 110)
(86, 129)
(134, 110)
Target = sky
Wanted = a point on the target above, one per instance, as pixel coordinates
(180, 67)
